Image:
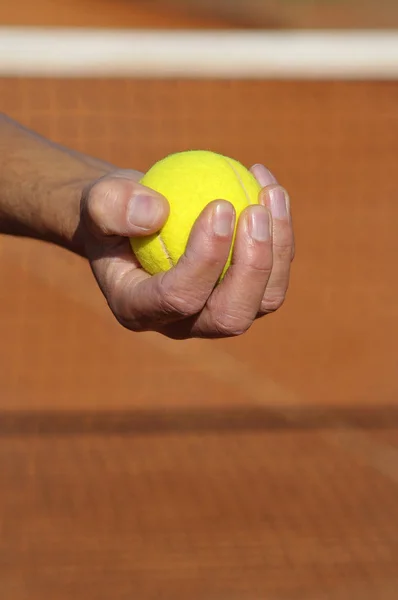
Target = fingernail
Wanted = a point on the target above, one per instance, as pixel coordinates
(263, 176)
(143, 211)
(278, 203)
(260, 227)
(223, 216)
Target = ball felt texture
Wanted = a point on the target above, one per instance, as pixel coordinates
(189, 181)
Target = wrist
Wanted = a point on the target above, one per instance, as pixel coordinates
(41, 186)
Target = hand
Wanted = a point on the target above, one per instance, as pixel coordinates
(185, 301)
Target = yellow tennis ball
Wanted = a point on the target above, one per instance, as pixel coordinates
(189, 181)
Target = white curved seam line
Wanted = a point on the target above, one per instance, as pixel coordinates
(240, 180)
(166, 251)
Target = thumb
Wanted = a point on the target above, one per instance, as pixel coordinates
(119, 205)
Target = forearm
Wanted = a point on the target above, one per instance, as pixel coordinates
(41, 184)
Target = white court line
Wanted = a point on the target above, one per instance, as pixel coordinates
(61, 52)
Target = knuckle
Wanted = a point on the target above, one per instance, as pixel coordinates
(230, 325)
(103, 205)
(203, 261)
(101, 194)
(177, 299)
(131, 324)
(273, 303)
(127, 318)
(284, 252)
(172, 302)
(125, 312)
(260, 271)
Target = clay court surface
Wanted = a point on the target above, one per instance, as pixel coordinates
(260, 468)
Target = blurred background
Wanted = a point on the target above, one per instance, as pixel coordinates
(258, 468)
(175, 14)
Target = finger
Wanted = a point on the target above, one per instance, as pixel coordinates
(142, 302)
(234, 304)
(263, 175)
(265, 179)
(117, 205)
(276, 199)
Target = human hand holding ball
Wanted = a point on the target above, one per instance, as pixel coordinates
(199, 246)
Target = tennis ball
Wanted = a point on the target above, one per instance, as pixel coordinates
(189, 181)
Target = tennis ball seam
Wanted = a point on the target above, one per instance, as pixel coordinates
(166, 252)
(237, 175)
